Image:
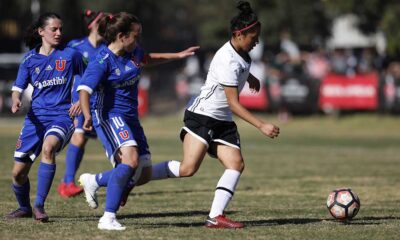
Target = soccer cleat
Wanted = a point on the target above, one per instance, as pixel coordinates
(127, 191)
(107, 223)
(40, 215)
(90, 186)
(68, 190)
(222, 222)
(19, 213)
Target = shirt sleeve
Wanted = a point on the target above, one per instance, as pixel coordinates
(228, 73)
(23, 79)
(94, 74)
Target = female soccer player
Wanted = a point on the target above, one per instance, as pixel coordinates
(208, 120)
(112, 82)
(88, 47)
(48, 126)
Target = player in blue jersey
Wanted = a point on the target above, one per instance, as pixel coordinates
(109, 100)
(48, 125)
(88, 47)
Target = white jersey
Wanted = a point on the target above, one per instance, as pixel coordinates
(227, 68)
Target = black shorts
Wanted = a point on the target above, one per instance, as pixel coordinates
(209, 130)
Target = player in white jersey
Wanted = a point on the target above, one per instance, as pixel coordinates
(208, 120)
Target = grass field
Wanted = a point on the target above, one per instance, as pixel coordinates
(281, 195)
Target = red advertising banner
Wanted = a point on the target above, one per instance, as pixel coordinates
(340, 92)
(256, 101)
(143, 101)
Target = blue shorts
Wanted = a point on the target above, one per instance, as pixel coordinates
(116, 131)
(79, 120)
(36, 129)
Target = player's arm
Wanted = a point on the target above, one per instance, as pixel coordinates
(90, 80)
(20, 84)
(16, 101)
(232, 96)
(158, 58)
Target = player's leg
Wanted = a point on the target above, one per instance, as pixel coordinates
(56, 137)
(232, 160)
(27, 148)
(194, 151)
(21, 188)
(73, 158)
(128, 158)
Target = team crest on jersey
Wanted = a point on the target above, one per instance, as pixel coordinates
(37, 70)
(48, 68)
(118, 72)
(19, 144)
(85, 54)
(60, 65)
(124, 134)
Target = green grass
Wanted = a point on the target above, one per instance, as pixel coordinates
(281, 194)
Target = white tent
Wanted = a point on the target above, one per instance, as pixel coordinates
(345, 34)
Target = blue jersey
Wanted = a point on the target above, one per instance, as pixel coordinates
(113, 82)
(51, 77)
(88, 52)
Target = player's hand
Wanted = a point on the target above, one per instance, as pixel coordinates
(16, 105)
(88, 124)
(254, 84)
(188, 52)
(269, 130)
(75, 110)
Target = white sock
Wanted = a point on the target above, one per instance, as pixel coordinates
(223, 194)
(109, 215)
(167, 169)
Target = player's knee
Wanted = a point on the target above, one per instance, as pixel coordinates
(78, 140)
(48, 151)
(187, 171)
(19, 177)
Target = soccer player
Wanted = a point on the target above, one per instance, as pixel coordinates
(50, 69)
(208, 119)
(88, 47)
(108, 94)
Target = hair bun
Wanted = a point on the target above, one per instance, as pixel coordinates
(244, 7)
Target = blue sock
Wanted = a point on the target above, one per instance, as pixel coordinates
(22, 195)
(45, 179)
(102, 178)
(116, 186)
(72, 161)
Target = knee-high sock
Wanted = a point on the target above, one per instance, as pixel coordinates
(72, 161)
(103, 178)
(167, 169)
(22, 195)
(45, 179)
(224, 192)
(116, 186)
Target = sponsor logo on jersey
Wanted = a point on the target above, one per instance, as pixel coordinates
(48, 68)
(60, 65)
(127, 83)
(51, 82)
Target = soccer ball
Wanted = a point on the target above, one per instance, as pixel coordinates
(343, 204)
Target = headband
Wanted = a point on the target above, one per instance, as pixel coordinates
(246, 28)
(95, 20)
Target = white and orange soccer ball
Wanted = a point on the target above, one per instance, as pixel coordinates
(343, 204)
